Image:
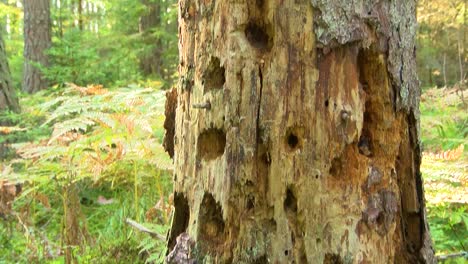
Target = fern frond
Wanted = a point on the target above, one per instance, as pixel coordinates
(104, 119)
(144, 125)
(42, 152)
(77, 124)
(47, 106)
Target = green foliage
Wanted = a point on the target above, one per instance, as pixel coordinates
(439, 61)
(26, 120)
(13, 38)
(445, 190)
(159, 41)
(444, 119)
(83, 57)
(106, 144)
(107, 50)
(449, 226)
(444, 122)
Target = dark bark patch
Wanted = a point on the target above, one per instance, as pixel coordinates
(263, 154)
(211, 144)
(380, 212)
(294, 138)
(411, 202)
(261, 260)
(211, 224)
(179, 220)
(250, 203)
(293, 141)
(169, 122)
(336, 167)
(364, 144)
(258, 37)
(265, 158)
(260, 3)
(214, 76)
(332, 258)
(290, 203)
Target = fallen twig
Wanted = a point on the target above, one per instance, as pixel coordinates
(144, 229)
(453, 255)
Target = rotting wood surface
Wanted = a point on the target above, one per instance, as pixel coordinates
(296, 133)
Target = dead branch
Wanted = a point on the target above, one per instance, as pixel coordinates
(144, 229)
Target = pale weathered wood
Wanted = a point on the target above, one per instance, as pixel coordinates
(309, 149)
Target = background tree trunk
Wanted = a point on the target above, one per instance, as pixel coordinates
(150, 60)
(297, 134)
(79, 5)
(37, 39)
(8, 99)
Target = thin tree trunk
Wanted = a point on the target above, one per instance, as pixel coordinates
(431, 83)
(8, 99)
(296, 134)
(460, 62)
(80, 14)
(37, 40)
(150, 62)
(59, 6)
(75, 233)
(444, 69)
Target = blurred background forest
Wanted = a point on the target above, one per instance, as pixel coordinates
(84, 156)
(104, 42)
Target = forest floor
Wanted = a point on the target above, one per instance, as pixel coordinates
(444, 125)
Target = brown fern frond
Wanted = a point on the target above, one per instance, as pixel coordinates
(452, 154)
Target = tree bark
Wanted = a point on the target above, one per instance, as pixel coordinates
(297, 134)
(37, 39)
(150, 62)
(8, 99)
(79, 6)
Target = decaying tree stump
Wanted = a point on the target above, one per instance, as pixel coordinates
(296, 133)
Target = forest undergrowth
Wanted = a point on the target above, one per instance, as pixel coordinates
(444, 131)
(78, 162)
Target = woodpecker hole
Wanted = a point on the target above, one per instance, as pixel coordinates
(180, 218)
(258, 37)
(214, 76)
(211, 223)
(211, 144)
(336, 167)
(294, 138)
(331, 258)
(290, 203)
(250, 203)
(293, 141)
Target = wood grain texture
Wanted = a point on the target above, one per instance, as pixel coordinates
(321, 151)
